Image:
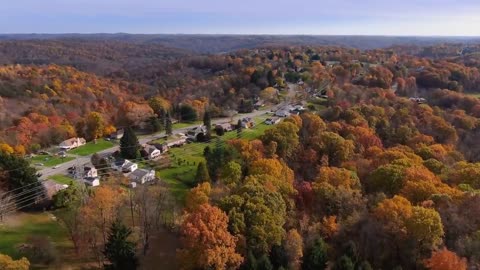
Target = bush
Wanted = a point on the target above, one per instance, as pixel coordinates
(219, 131)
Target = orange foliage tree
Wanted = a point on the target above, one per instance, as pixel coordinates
(206, 242)
(445, 259)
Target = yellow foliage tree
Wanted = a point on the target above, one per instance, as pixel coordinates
(7, 263)
(6, 148)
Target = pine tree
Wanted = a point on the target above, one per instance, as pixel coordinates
(264, 263)
(202, 173)
(129, 146)
(207, 122)
(168, 125)
(118, 250)
(155, 124)
(239, 129)
(315, 256)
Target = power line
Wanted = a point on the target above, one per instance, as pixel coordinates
(196, 146)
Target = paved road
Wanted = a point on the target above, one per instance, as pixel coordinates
(82, 160)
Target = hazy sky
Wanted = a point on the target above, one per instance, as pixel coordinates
(330, 17)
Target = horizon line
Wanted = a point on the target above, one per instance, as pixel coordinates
(245, 34)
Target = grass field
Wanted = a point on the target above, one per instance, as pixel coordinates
(185, 159)
(49, 161)
(18, 228)
(91, 148)
(61, 179)
(185, 124)
(477, 95)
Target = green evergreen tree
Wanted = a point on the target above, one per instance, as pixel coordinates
(17, 174)
(129, 146)
(207, 122)
(270, 78)
(264, 263)
(188, 113)
(250, 262)
(168, 125)
(155, 124)
(365, 265)
(202, 173)
(344, 263)
(239, 129)
(315, 257)
(118, 250)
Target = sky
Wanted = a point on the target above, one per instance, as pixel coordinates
(306, 17)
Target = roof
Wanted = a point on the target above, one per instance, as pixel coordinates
(88, 168)
(140, 173)
(150, 149)
(120, 162)
(71, 141)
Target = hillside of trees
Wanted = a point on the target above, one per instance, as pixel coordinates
(373, 180)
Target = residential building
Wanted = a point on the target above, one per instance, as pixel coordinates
(124, 165)
(282, 113)
(151, 152)
(178, 139)
(273, 120)
(92, 181)
(225, 126)
(90, 171)
(117, 134)
(193, 133)
(72, 143)
(247, 122)
(141, 176)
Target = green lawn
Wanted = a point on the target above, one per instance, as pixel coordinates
(17, 228)
(92, 148)
(61, 179)
(49, 161)
(185, 159)
(477, 95)
(185, 124)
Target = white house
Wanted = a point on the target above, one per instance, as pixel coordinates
(141, 176)
(72, 143)
(129, 166)
(152, 152)
(124, 166)
(92, 181)
(90, 171)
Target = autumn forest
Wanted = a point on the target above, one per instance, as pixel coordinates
(380, 171)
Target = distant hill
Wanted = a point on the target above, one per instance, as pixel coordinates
(93, 55)
(227, 43)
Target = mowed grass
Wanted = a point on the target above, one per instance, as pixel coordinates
(477, 95)
(18, 228)
(181, 175)
(61, 179)
(186, 124)
(49, 161)
(91, 148)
